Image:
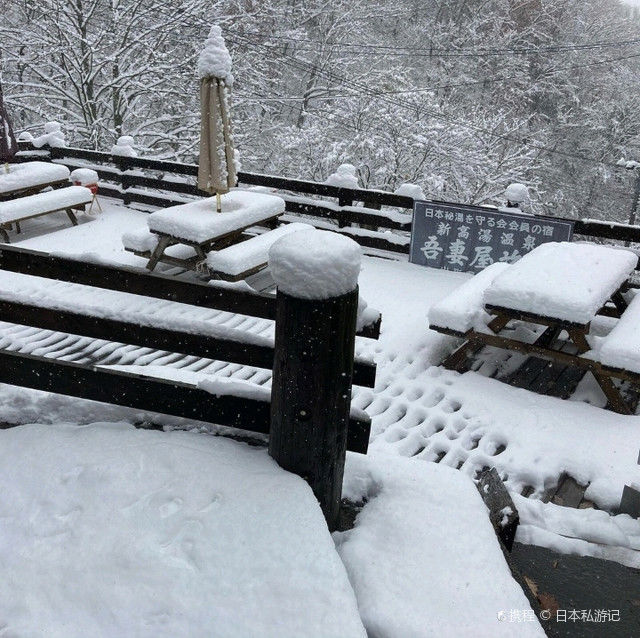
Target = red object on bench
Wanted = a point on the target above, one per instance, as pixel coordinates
(92, 187)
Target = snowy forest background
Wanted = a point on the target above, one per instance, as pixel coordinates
(459, 96)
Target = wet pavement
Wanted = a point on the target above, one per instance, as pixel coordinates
(584, 597)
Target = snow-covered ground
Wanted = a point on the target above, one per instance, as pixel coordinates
(111, 531)
(420, 413)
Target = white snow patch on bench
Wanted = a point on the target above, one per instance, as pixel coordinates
(251, 253)
(140, 240)
(621, 347)
(42, 203)
(463, 308)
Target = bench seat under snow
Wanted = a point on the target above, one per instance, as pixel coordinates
(141, 240)
(16, 210)
(620, 349)
(463, 309)
(247, 256)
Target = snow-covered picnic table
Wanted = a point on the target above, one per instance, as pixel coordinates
(560, 286)
(34, 189)
(198, 225)
(31, 177)
(564, 281)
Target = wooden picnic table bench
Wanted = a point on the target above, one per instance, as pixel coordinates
(198, 225)
(560, 287)
(27, 178)
(66, 199)
(246, 258)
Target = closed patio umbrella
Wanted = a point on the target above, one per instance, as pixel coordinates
(216, 169)
(8, 144)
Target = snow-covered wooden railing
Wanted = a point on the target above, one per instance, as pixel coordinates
(66, 316)
(308, 407)
(367, 223)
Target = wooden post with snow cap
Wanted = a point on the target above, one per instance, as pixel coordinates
(316, 273)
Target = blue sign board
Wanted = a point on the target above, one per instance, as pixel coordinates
(470, 238)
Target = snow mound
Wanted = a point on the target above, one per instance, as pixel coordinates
(112, 531)
(422, 553)
(463, 308)
(58, 199)
(84, 176)
(563, 280)
(315, 264)
(29, 174)
(345, 176)
(517, 193)
(124, 147)
(241, 257)
(621, 347)
(214, 60)
(410, 190)
(140, 240)
(53, 136)
(199, 221)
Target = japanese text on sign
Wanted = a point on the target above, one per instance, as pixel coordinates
(469, 238)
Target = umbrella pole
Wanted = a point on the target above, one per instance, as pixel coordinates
(218, 203)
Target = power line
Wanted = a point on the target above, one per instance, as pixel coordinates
(364, 89)
(482, 81)
(378, 49)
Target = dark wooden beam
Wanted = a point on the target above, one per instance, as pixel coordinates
(151, 394)
(209, 347)
(370, 198)
(535, 318)
(135, 281)
(502, 512)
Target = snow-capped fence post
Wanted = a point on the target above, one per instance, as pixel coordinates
(316, 273)
(122, 153)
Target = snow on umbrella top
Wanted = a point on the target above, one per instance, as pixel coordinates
(216, 168)
(8, 144)
(214, 60)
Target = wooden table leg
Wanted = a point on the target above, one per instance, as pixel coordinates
(71, 216)
(202, 255)
(619, 301)
(163, 243)
(612, 393)
(456, 360)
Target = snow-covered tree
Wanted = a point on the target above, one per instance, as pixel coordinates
(459, 97)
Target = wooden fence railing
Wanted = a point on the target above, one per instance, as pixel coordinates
(137, 391)
(380, 220)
